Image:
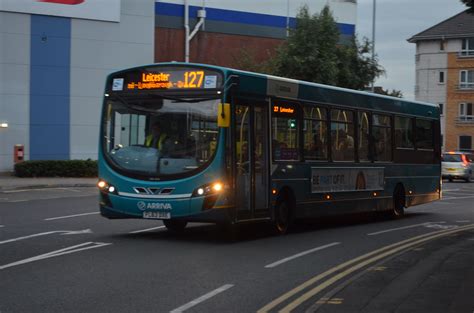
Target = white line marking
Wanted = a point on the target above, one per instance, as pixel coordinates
(144, 230)
(449, 190)
(202, 298)
(456, 198)
(400, 228)
(274, 264)
(17, 200)
(29, 190)
(64, 232)
(68, 250)
(463, 221)
(2, 226)
(68, 216)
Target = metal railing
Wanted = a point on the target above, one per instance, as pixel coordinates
(465, 86)
(466, 54)
(465, 119)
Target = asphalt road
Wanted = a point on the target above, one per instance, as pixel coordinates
(57, 254)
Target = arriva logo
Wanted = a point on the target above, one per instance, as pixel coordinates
(154, 206)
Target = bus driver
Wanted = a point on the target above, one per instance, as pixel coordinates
(157, 137)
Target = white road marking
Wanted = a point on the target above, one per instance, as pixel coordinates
(274, 264)
(456, 198)
(202, 298)
(463, 221)
(69, 216)
(2, 226)
(18, 200)
(29, 190)
(64, 232)
(438, 226)
(144, 230)
(400, 228)
(449, 190)
(68, 250)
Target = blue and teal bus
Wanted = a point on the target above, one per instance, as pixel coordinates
(233, 147)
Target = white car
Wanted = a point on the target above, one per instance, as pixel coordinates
(458, 165)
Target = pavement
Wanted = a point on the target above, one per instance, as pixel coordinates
(10, 182)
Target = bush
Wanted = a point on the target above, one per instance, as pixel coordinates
(62, 168)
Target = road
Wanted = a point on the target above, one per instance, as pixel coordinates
(59, 255)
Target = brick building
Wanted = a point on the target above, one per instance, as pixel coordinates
(445, 75)
(232, 26)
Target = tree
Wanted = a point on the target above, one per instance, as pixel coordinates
(309, 53)
(386, 92)
(313, 52)
(470, 4)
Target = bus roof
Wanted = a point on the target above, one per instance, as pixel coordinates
(305, 89)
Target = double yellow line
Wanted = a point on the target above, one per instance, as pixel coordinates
(351, 266)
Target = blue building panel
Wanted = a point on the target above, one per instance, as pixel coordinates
(50, 87)
(239, 17)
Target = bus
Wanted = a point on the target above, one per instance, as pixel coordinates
(237, 147)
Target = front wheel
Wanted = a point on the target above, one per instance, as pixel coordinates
(398, 203)
(282, 218)
(176, 226)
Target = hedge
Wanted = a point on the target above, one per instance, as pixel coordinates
(53, 168)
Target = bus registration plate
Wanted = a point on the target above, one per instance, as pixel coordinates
(157, 215)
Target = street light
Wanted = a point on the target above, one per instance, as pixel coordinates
(373, 41)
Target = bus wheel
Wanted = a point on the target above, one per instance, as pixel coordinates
(398, 203)
(176, 226)
(282, 217)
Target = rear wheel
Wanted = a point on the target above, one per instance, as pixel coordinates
(398, 203)
(176, 226)
(282, 217)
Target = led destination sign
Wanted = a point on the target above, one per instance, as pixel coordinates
(167, 78)
(283, 109)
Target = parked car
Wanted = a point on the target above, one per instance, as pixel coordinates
(458, 165)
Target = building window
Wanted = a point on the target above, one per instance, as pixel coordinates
(441, 45)
(465, 143)
(467, 48)
(441, 108)
(441, 77)
(466, 79)
(465, 112)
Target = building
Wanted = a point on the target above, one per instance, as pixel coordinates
(445, 75)
(231, 26)
(54, 57)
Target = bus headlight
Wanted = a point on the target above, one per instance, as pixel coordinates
(106, 187)
(209, 189)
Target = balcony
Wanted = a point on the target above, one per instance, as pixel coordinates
(465, 86)
(466, 54)
(465, 119)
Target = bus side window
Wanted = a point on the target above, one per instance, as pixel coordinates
(315, 133)
(342, 135)
(382, 132)
(424, 134)
(363, 145)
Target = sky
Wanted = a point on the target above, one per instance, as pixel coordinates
(396, 21)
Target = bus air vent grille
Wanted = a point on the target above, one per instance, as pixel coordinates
(166, 191)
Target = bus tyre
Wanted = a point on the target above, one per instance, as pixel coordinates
(175, 226)
(398, 203)
(282, 217)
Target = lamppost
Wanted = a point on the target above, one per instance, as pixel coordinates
(373, 40)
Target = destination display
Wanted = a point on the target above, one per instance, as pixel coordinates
(167, 78)
(284, 109)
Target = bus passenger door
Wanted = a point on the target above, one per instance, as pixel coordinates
(251, 166)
